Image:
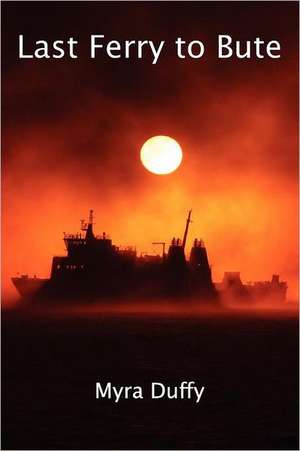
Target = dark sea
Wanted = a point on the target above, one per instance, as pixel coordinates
(246, 359)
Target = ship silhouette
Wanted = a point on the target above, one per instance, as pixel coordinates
(95, 268)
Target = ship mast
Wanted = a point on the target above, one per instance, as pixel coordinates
(89, 227)
(186, 229)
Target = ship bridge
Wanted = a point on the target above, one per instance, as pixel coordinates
(84, 244)
(90, 253)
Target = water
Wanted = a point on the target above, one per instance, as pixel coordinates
(247, 360)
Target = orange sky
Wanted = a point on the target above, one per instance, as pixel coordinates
(71, 141)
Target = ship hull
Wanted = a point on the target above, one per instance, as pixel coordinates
(28, 287)
(70, 291)
(45, 289)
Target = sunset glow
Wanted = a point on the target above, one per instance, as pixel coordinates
(64, 155)
(161, 155)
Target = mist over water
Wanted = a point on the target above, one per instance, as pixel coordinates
(157, 307)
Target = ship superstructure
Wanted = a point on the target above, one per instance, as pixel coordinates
(232, 288)
(95, 268)
(93, 264)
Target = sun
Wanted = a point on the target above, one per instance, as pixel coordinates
(161, 155)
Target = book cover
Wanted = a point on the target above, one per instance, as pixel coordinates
(150, 225)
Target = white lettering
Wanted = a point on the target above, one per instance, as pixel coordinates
(156, 52)
(21, 48)
(273, 46)
(225, 45)
(103, 393)
(200, 51)
(94, 46)
(113, 46)
(179, 43)
(153, 388)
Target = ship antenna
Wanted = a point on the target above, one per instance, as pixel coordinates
(186, 229)
(89, 230)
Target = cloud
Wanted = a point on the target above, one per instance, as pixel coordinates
(71, 139)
